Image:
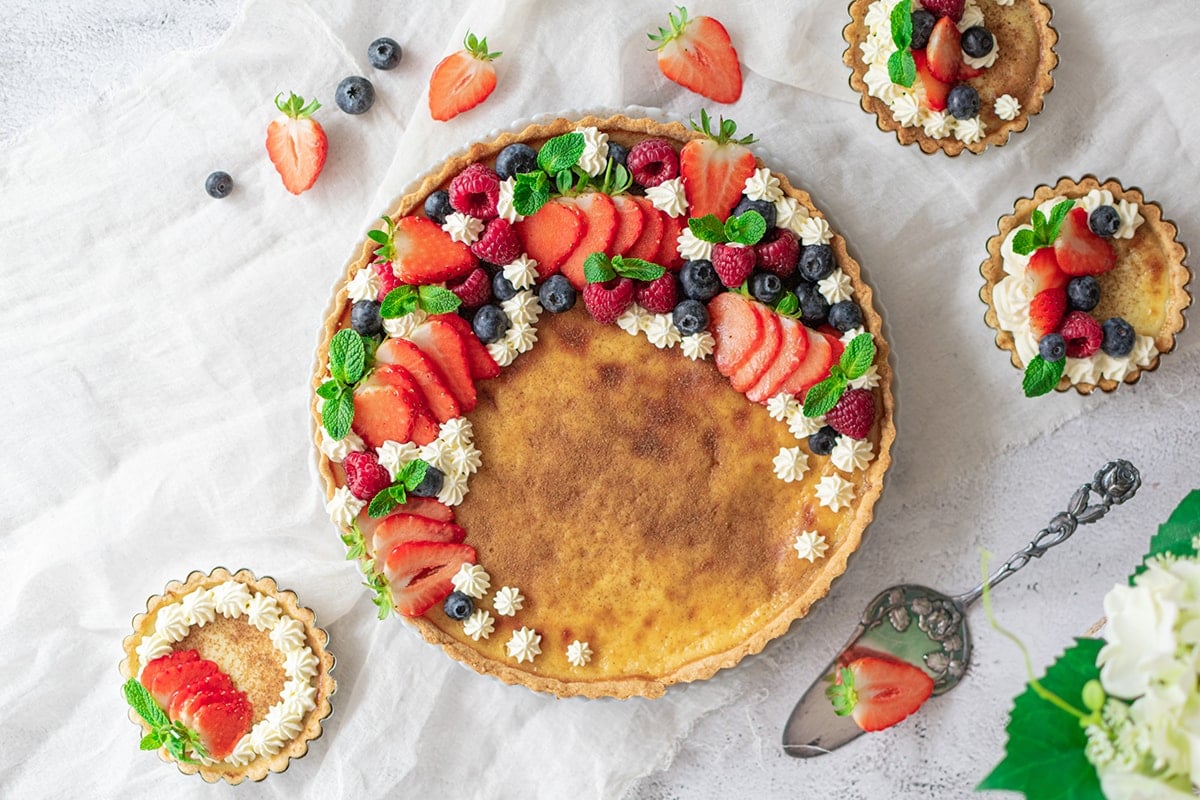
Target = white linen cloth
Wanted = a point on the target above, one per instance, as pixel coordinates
(158, 346)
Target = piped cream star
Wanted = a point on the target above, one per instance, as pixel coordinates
(810, 545)
(525, 644)
(578, 653)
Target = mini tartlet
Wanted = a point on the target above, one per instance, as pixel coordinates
(1146, 286)
(1013, 76)
(268, 646)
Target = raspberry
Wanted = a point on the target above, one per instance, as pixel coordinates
(499, 243)
(945, 8)
(475, 192)
(473, 290)
(365, 477)
(387, 278)
(854, 414)
(733, 263)
(1082, 333)
(659, 295)
(651, 162)
(607, 301)
(779, 254)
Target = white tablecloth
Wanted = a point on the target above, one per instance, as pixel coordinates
(158, 346)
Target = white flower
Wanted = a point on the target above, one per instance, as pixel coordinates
(524, 645)
(698, 346)
(835, 492)
(661, 331)
(1007, 107)
(790, 464)
(479, 625)
(669, 197)
(508, 601)
(363, 286)
(634, 319)
(692, 247)
(1119, 785)
(836, 287)
(782, 406)
(522, 274)
(762, 185)
(1140, 639)
(810, 545)
(815, 230)
(462, 228)
(578, 653)
(472, 580)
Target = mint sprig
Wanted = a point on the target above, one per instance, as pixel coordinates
(356, 550)
(1041, 375)
(561, 152)
(902, 69)
(409, 478)
(347, 366)
(855, 361)
(407, 299)
(531, 191)
(788, 305)
(1044, 232)
(386, 239)
(747, 228)
(599, 268)
(181, 742)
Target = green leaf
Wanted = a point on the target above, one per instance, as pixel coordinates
(564, 181)
(901, 68)
(747, 228)
(346, 355)
(636, 269)
(1044, 756)
(145, 706)
(387, 499)
(398, 302)
(412, 474)
(788, 305)
(824, 396)
(1041, 375)
(1057, 215)
(328, 390)
(597, 268)
(842, 695)
(858, 356)
(1041, 228)
(561, 152)
(377, 236)
(902, 24)
(531, 191)
(1025, 242)
(436, 300)
(708, 228)
(337, 414)
(151, 741)
(1177, 535)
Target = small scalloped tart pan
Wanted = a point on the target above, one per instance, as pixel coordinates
(1023, 67)
(628, 492)
(1148, 287)
(248, 656)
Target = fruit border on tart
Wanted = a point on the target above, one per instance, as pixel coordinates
(583, 234)
(228, 676)
(1086, 286)
(951, 74)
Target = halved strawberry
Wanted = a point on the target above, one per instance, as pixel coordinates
(668, 251)
(296, 143)
(221, 725)
(1046, 311)
(441, 341)
(462, 80)
(698, 55)
(403, 527)
(815, 366)
(764, 353)
(427, 507)
(736, 328)
(482, 365)
(879, 692)
(386, 406)
(419, 573)
(1079, 251)
(424, 253)
(1043, 271)
(653, 222)
(602, 220)
(550, 235)
(156, 666)
(714, 168)
(172, 677)
(629, 225)
(430, 380)
(213, 682)
(936, 91)
(791, 354)
(944, 51)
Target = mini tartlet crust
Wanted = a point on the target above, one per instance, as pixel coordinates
(1157, 233)
(317, 640)
(832, 566)
(1015, 73)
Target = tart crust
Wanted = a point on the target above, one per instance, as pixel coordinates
(1154, 253)
(818, 578)
(257, 677)
(1023, 69)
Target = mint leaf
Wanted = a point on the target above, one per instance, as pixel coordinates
(412, 474)
(387, 499)
(531, 191)
(788, 305)
(398, 302)
(858, 356)
(1175, 536)
(564, 181)
(338, 413)
(1041, 375)
(708, 228)
(902, 24)
(377, 236)
(598, 269)
(1041, 228)
(821, 398)
(1057, 215)
(902, 69)
(1025, 242)
(346, 356)
(328, 390)
(139, 698)
(746, 228)
(636, 269)
(151, 741)
(561, 152)
(436, 300)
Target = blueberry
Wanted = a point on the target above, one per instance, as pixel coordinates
(437, 206)
(218, 185)
(355, 95)
(1053, 347)
(845, 315)
(816, 262)
(1104, 221)
(431, 484)
(364, 318)
(963, 102)
(922, 26)
(766, 287)
(490, 322)
(814, 308)
(1083, 293)
(1118, 337)
(458, 605)
(384, 53)
(502, 287)
(767, 210)
(821, 443)
(619, 153)
(515, 159)
(690, 316)
(978, 41)
(557, 294)
(699, 280)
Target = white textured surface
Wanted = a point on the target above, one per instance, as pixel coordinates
(976, 465)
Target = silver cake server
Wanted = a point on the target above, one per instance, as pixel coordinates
(929, 629)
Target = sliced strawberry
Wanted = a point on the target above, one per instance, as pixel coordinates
(424, 253)
(430, 380)
(737, 329)
(296, 143)
(653, 223)
(1079, 251)
(419, 573)
(482, 365)
(944, 51)
(698, 55)
(403, 527)
(185, 710)
(154, 667)
(1046, 311)
(427, 507)
(791, 354)
(629, 225)
(221, 725)
(602, 220)
(936, 91)
(836, 348)
(815, 366)
(550, 235)
(966, 72)
(462, 80)
(882, 691)
(171, 678)
(764, 354)
(668, 252)
(212, 682)
(441, 341)
(386, 406)
(715, 168)
(1044, 273)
